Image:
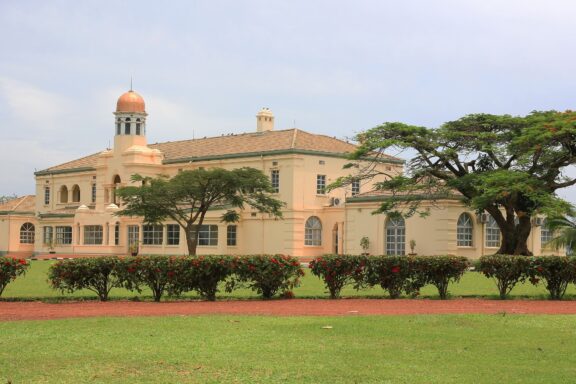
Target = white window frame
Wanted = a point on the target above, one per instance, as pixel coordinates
(465, 231)
(313, 232)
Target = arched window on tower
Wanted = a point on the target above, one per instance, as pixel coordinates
(75, 194)
(63, 194)
(118, 127)
(127, 126)
(138, 126)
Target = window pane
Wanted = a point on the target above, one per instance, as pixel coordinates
(395, 237)
(47, 238)
(231, 235)
(275, 180)
(320, 184)
(173, 234)
(464, 231)
(492, 233)
(152, 234)
(93, 234)
(313, 231)
(27, 232)
(208, 235)
(63, 235)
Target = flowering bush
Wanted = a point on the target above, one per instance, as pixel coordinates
(268, 274)
(94, 274)
(506, 270)
(338, 271)
(10, 269)
(557, 271)
(159, 273)
(439, 271)
(394, 274)
(205, 273)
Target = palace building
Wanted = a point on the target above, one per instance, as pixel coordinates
(74, 209)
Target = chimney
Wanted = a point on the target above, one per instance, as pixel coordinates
(264, 120)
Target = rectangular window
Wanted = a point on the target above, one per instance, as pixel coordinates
(48, 235)
(133, 235)
(275, 180)
(231, 235)
(46, 195)
(117, 234)
(64, 235)
(208, 235)
(172, 234)
(93, 193)
(320, 184)
(93, 234)
(152, 234)
(355, 187)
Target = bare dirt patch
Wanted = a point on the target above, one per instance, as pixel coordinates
(296, 307)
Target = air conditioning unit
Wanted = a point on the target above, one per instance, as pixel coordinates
(482, 218)
(539, 221)
(334, 201)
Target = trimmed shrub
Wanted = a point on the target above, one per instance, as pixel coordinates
(159, 273)
(338, 271)
(557, 271)
(506, 270)
(395, 274)
(268, 274)
(205, 273)
(10, 269)
(94, 274)
(439, 271)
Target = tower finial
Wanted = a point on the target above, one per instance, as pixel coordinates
(131, 83)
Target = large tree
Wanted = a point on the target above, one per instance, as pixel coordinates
(187, 197)
(508, 166)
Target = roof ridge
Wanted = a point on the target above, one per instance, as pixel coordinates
(293, 144)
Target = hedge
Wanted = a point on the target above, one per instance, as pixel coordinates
(98, 275)
(337, 271)
(10, 269)
(556, 271)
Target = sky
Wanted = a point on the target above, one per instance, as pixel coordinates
(206, 67)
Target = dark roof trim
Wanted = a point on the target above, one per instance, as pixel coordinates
(272, 153)
(6, 213)
(364, 199)
(55, 215)
(62, 171)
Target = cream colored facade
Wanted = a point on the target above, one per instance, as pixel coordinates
(75, 205)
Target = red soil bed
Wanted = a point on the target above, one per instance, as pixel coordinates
(296, 307)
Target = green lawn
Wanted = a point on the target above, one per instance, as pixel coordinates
(34, 285)
(252, 349)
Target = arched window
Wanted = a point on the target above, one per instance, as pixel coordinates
(118, 127)
(137, 126)
(395, 236)
(75, 194)
(313, 231)
(63, 194)
(27, 233)
(127, 126)
(545, 233)
(117, 182)
(464, 230)
(492, 233)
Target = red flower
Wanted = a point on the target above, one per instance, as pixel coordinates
(539, 269)
(22, 262)
(395, 269)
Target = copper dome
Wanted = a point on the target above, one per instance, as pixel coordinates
(130, 102)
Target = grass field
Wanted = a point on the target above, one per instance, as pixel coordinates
(251, 349)
(34, 286)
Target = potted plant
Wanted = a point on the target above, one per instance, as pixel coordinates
(133, 249)
(365, 244)
(412, 244)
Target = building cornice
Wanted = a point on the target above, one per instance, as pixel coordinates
(64, 171)
(366, 199)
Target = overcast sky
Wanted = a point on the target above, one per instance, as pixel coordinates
(328, 67)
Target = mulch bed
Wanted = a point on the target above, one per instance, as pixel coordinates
(10, 311)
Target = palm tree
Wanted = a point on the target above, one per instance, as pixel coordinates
(564, 230)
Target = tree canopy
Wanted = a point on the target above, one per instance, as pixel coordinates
(187, 197)
(508, 166)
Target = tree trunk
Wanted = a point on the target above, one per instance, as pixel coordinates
(515, 238)
(192, 239)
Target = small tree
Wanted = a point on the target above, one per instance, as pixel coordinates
(564, 230)
(187, 197)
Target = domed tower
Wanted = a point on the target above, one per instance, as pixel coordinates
(130, 121)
